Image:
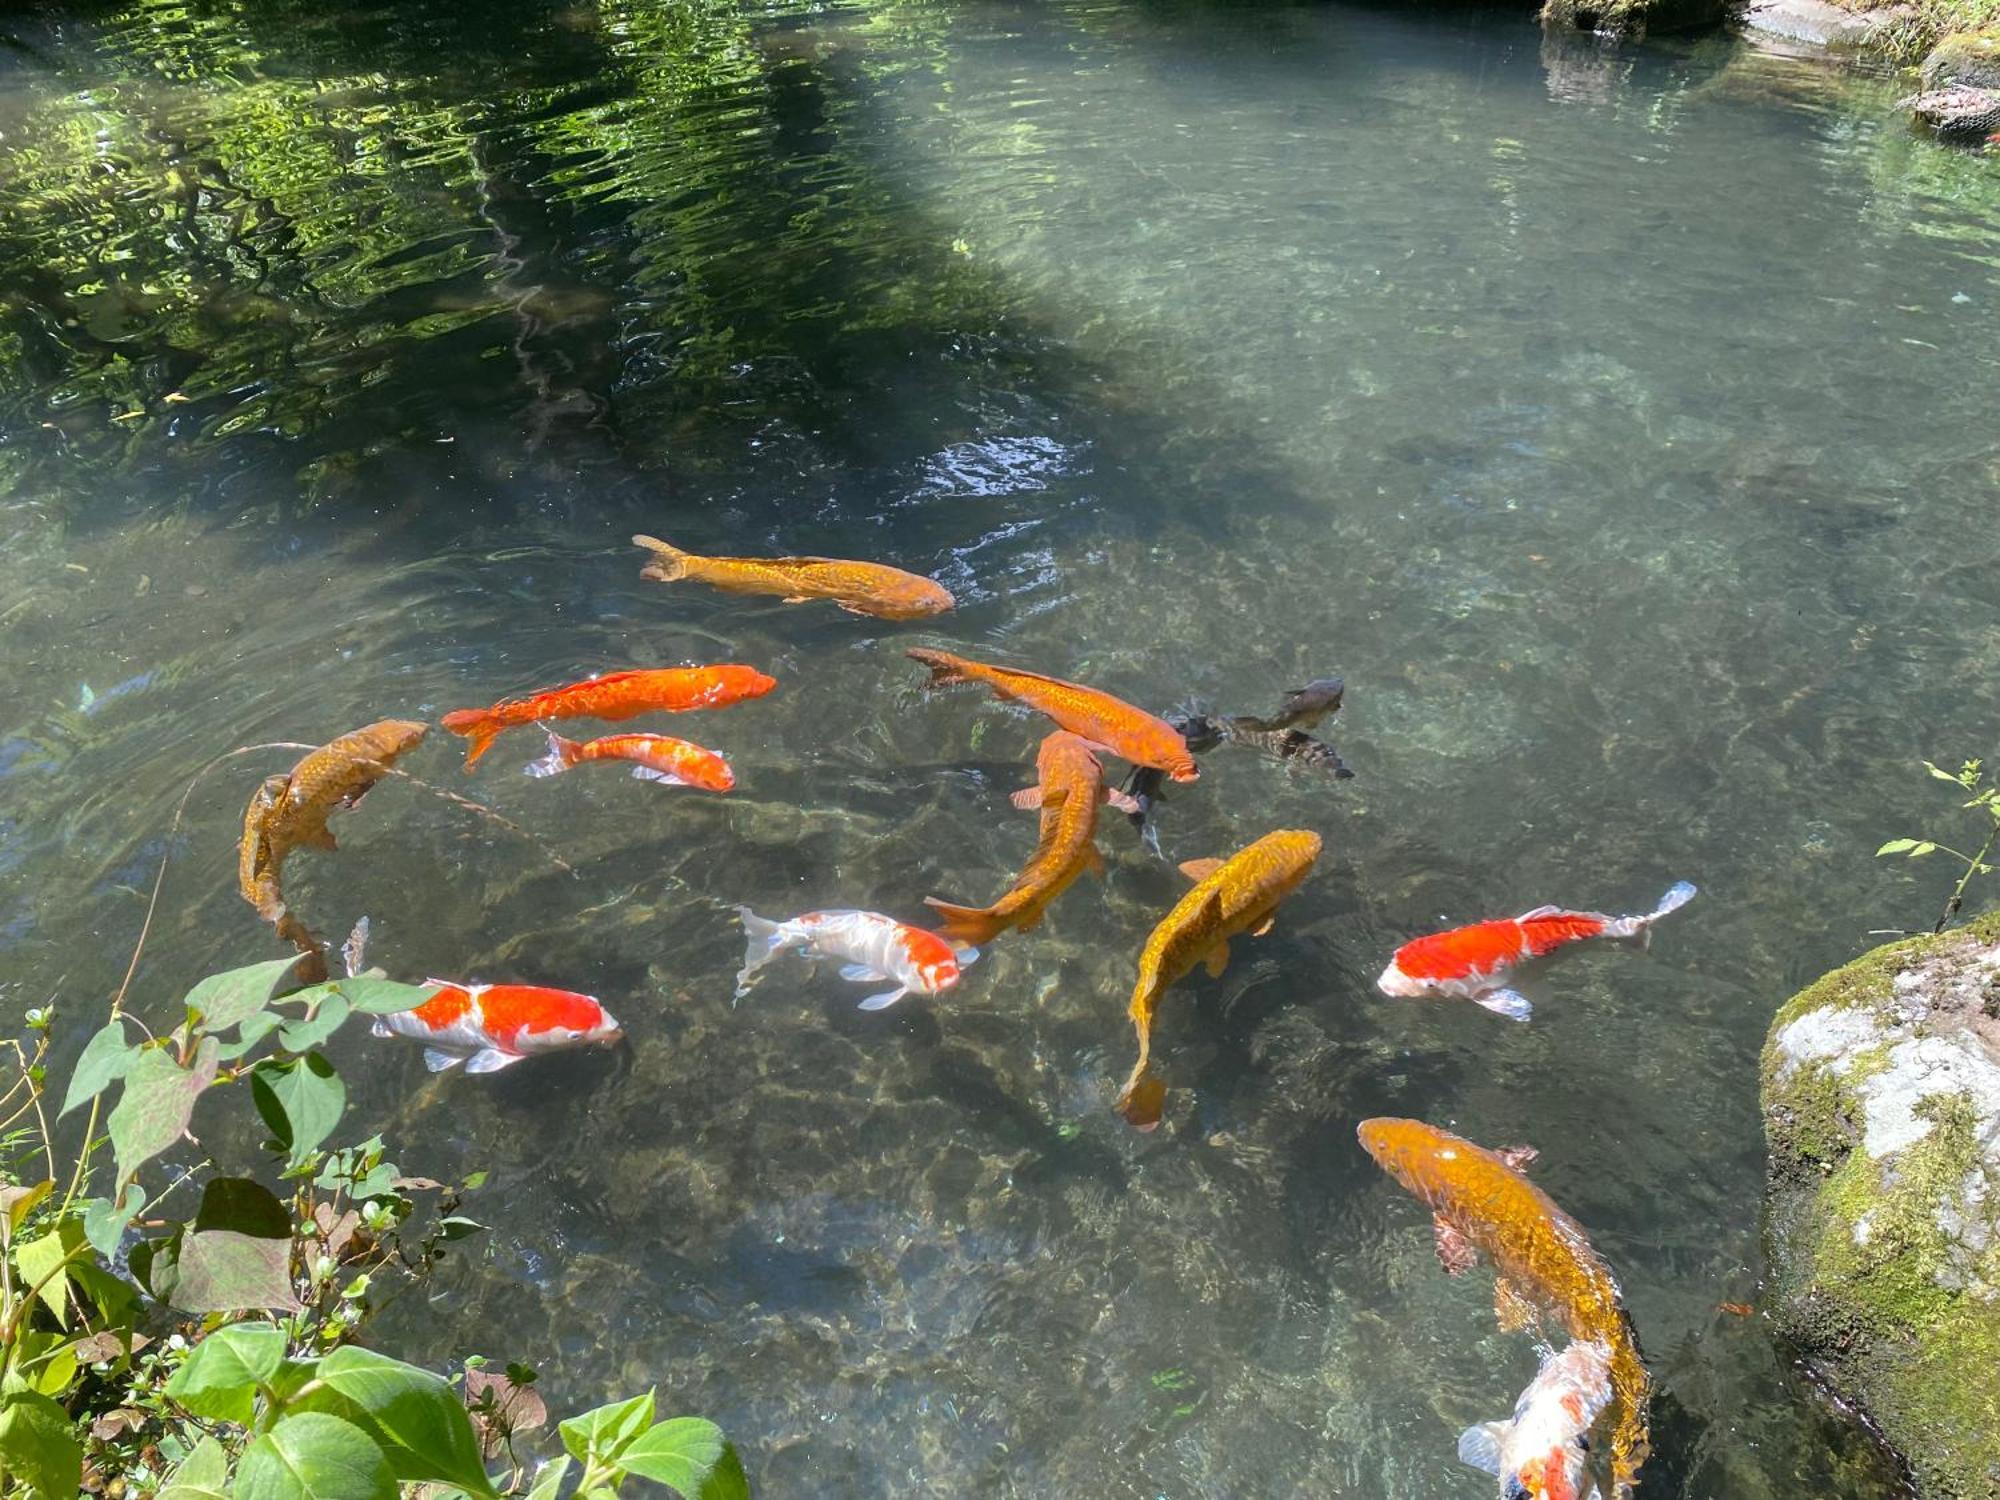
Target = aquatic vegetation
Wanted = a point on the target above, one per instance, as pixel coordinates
(1970, 777)
(191, 1329)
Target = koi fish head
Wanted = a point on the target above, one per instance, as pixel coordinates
(1393, 981)
(1181, 767)
(1543, 1452)
(937, 963)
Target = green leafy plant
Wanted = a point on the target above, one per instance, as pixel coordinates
(188, 1331)
(1985, 797)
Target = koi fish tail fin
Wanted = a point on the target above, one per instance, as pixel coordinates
(763, 940)
(1639, 929)
(477, 726)
(561, 756)
(667, 564)
(946, 669)
(965, 926)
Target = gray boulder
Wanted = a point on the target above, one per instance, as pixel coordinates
(1968, 57)
(1881, 1099)
(1633, 18)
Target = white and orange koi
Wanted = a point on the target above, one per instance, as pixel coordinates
(875, 947)
(1543, 1451)
(493, 1026)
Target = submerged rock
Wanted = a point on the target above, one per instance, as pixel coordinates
(1632, 18)
(1881, 1099)
(1958, 112)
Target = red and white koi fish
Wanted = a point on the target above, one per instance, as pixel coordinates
(1475, 963)
(493, 1026)
(875, 947)
(654, 757)
(1543, 1452)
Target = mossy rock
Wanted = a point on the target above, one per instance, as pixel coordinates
(1881, 1097)
(1634, 18)
(1971, 58)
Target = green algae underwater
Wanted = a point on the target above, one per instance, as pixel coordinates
(1617, 424)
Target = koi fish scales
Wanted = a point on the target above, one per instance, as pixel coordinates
(861, 588)
(1231, 896)
(1098, 717)
(1541, 1255)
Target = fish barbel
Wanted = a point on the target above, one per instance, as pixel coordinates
(1104, 721)
(860, 588)
(493, 1026)
(653, 757)
(614, 696)
(1543, 1260)
(1069, 787)
(290, 811)
(1239, 894)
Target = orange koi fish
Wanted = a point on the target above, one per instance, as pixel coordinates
(1240, 894)
(493, 1026)
(1104, 721)
(860, 588)
(1069, 787)
(614, 696)
(1474, 963)
(655, 757)
(1543, 1262)
(290, 811)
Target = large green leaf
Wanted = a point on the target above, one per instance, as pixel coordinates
(221, 1271)
(203, 1474)
(104, 1220)
(688, 1454)
(549, 1478)
(418, 1418)
(380, 997)
(223, 1000)
(312, 1456)
(221, 1376)
(37, 1448)
(40, 1261)
(604, 1431)
(305, 1034)
(17, 1202)
(156, 1105)
(105, 1058)
(301, 1100)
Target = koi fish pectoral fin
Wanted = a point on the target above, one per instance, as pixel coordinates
(380, 1028)
(1509, 1003)
(437, 1059)
(1517, 1157)
(852, 972)
(491, 1060)
(1200, 869)
(884, 1000)
(1028, 798)
(797, 599)
(1511, 1309)
(1455, 1252)
(648, 773)
(1480, 1447)
(1264, 926)
(1217, 960)
(1124, 802)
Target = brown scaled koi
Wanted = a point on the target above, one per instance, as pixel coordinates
(1544, 1262)
(1069, 787)
(290, 812)
(1239, 894)
(860, 588)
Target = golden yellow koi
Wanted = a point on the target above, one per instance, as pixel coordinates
(1239, 894)
(1543, 1260)
(861, 588)
(1069, 787)
(290, 811)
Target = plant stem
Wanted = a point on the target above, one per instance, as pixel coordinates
(1972, 868)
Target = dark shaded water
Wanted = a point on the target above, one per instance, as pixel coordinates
(1619, 425)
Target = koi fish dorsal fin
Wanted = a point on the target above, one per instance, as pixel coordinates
(1517, 1157)
(1455, 1252)
(668, 563)
(1511, 1309)
(1217, 960)
(1539, 912)
(1200, 869)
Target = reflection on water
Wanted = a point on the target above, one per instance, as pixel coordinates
(1618, 425)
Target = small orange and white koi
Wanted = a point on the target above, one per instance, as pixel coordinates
(493, 1026)
(875, 947)
(654, 757)
(1543, 1451)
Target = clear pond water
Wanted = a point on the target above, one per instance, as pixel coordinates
(1619, 424)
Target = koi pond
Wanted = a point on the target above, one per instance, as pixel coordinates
(1618, 423)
